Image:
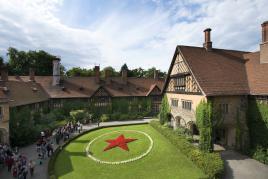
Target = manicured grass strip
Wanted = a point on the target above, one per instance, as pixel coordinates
(210, 163)
(164, 161)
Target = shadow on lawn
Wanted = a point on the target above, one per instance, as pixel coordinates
(67, 163)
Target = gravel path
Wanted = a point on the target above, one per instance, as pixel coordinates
(239, 166)
(41, 170)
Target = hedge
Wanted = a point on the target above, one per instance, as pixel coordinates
(210, 163)
(52, 160)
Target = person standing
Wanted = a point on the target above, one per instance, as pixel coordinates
(31, 167)
(24, 171)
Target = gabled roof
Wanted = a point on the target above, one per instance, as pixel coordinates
(217, 72)
(22, 91)
(154, 88)
(19, 93)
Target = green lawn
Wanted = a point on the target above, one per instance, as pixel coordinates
(164, 160)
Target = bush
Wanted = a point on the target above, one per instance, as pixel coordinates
(115, 116)
(104, 118)
(210, 163)
(79, 115)
(260, 154)
(164, 111)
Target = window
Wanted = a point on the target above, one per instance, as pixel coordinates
(155, 107)
(174, 102)
(186, 105)
(224, 108)
(101, 102)
(179, 84)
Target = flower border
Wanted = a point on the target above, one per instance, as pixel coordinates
(123, 161)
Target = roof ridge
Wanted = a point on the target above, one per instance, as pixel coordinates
(215, 48)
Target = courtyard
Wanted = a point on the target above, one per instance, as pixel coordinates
(164, 160)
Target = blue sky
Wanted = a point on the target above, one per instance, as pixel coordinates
(141, 33)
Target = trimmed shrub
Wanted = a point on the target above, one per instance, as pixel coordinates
(211, 163)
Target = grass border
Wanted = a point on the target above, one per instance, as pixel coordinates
(52, 160)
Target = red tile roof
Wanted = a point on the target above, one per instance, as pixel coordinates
(257, 74)
(225, 72)
(22, 91)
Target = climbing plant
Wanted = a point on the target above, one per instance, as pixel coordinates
(257, 117)
(164, 114)
(204, 124)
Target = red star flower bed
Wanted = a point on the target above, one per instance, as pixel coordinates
(120, 141)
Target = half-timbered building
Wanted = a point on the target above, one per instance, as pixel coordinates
(226, 78)
(38, 92)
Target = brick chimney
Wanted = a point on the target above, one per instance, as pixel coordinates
(56, 72)
(124, 76)
(31, 74)
(107, 75)
(264, 43)
(97, 73)
(207, 44)
(156, 75)
(4, 74)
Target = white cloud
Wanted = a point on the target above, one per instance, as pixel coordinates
(142, 38)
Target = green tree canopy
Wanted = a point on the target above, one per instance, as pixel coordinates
(19, 62)
(77, 71)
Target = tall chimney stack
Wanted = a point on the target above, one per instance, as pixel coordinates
(31, 74)
(264, 44)
(97, 73)
(56, 72)
(207, 44)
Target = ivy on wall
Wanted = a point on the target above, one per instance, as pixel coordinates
(258, 124)
(257, 116)
(164, 114)
(204, 124)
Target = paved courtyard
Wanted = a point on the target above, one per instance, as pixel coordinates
(239, 166)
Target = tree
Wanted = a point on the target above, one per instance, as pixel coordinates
(22, 129)
(77, 71)
(204, 124)
(124, 67)
(19, 62)
(137, 72)
(149, 73)
(165, 110)
(111, 70)
(1, 61)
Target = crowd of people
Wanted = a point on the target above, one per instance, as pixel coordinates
(18, 164)
(63, 133)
